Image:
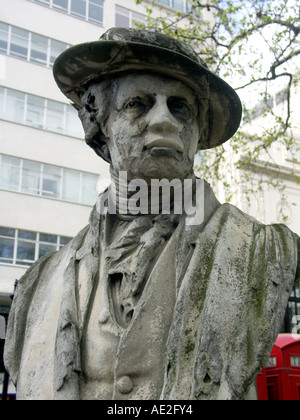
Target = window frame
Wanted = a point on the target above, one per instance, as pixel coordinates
(48, 104)
(40, 173)
(49, 41)
(128, 13)
(37, 242)
(86, 17)
(172, 4)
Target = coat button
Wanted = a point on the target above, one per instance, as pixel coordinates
(125, 385)
(103, 317)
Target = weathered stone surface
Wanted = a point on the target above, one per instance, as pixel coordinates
(149, 306)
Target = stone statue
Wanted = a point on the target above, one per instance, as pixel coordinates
(141, 305)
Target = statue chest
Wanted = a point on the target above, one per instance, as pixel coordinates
(123, 351)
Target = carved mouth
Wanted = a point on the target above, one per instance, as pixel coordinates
(165, 152)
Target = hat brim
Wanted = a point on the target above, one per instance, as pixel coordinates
(90, 62)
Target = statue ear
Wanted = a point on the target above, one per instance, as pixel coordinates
(203, 138)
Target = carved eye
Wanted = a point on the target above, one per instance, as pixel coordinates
(179, 107)
(136, 104)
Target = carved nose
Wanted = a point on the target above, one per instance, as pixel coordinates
(161, 121)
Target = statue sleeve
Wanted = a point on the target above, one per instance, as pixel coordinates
(18, 317)
(230, 306)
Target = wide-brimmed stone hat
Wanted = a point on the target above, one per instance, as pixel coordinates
(123, 50)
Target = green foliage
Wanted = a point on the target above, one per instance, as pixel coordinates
(255, 46)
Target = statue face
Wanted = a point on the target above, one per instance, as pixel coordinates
(153, 128)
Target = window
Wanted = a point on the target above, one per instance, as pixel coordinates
(56, 48)
(72, 125)
(59, 4)
(78, 8)
(4, 37)
(271, 362)
(88, 187)
(14, 106)
(7, 240)
(90, 10)
(95, 11)
(19, 43)
(35, 111)
(30, 181)
(44, 180)
(39, 112)
(293, 310)
(23, 247)
(9, 173)
(181, 5)
(51, 176)
(295, 361)
(39, 48)
(55, 116)
(71, 180)
(126, 18)
(29, 46)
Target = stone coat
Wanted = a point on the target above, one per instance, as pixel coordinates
(204, 326)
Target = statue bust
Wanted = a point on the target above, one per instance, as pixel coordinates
(143, 303)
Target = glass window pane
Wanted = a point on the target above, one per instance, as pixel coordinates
(73, 124)
(44, 237)
(64, 240)
(55, 116)
(122, 17)
(164, 2)
(35, 111)
(3, 37)
(179, 5)
(51, 181)
(46, 249)
(31, 177)
(15, 106)
(71, 186)
(137, 18)
(78, 8)
(25, 251)
(56, 49)
(47, 2)
(297, 290)
(6, 250)
(96, 11)
(19, 43)
(39, 47)
(89, 189)
(2, 99)
(60, 5)
(9, 173)
(7, 232)
(26, 234)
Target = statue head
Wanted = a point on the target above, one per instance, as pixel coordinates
(147, 102)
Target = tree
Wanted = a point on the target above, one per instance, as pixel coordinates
(254, 45)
